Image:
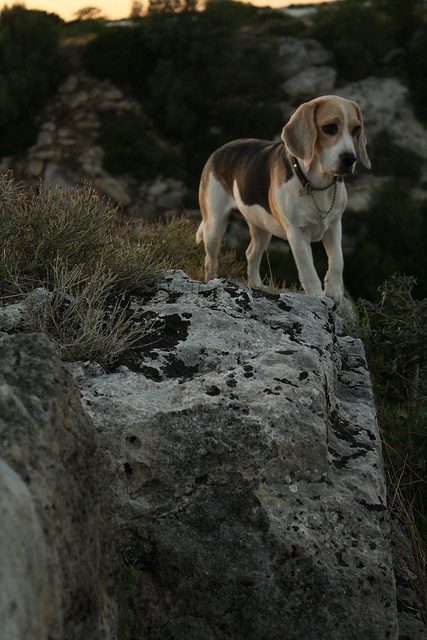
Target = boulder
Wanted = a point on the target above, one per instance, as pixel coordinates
(57, 534)
(310, 83)
(385, 106)
(25, 599)
(245, 469)
(297, 54)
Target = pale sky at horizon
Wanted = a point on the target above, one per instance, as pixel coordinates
(115, 9)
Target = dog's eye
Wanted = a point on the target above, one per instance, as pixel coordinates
(330, 129)
(355, 131)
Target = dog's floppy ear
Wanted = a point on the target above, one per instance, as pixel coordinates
(300, 134)
(361, 139)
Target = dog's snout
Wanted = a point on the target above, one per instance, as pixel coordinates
(347, 160)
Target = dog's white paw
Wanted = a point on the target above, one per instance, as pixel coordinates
(334, 290)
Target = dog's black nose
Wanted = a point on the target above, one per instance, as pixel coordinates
(348, 159)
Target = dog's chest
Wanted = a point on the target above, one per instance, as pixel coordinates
(312, 211)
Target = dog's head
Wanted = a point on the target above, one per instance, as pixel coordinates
(331, 128)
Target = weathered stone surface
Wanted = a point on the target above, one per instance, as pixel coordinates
(299, 53)
(25, 598)
(385, 106)
(310, 83)
(246, 470)
(50, 442)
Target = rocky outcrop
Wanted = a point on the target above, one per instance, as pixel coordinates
(25, 598)
(67, 150)
(307, 69)
(246, 470)
(239, 456)
(56, 568)
(385, 105)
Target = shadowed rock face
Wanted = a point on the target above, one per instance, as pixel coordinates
(54, 522)
(246, 471)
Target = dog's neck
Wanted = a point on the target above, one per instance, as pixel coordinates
(312, 175)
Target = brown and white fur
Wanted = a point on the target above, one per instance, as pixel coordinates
(259, 179)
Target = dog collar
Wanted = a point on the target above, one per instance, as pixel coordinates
(305, 183)
(307, 189)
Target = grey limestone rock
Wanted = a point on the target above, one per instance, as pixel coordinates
(246, 471)
(25, 599)
(58, 490)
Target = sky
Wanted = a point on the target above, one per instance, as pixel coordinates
(116, 9)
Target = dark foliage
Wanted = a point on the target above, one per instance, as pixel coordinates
(203, 77)
(30, 69)
(394, 240)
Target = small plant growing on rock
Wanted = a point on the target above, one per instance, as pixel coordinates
(83, 318)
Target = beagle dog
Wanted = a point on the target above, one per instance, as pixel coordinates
(292, 189)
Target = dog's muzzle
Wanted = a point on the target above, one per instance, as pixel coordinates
(346, 164)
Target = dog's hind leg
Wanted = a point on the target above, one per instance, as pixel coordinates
(213, 230)
(260, 239)
(215, 205)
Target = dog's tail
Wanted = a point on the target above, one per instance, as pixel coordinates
(199, 234)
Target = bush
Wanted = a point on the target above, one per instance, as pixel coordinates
(394, 240)
(130, 148)
(358, 35)
(394, 331)
(390, 159)
(76, 228)
(82, 318)
(31, 66)
(416, 73)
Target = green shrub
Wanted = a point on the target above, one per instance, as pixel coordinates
(390, 159)
(358, 35)
(31, 66)
(394, 239)
(130, 148)
(416, 73)
(77, 228)
(394, 331)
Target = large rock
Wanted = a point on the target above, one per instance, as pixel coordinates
(310, 83)
(297, 54)
(385, 106)
(60, 589)
(25, 598)
(246, 471)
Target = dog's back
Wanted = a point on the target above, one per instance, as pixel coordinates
(247, 163)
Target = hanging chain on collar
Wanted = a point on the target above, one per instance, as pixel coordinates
(322, 212)
(307, 189)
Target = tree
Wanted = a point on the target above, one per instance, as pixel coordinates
(358, 35)
(137, 10)
(171, 6)
(31, 67)
(89, 13)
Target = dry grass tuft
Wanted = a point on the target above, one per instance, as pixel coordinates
(79, 315)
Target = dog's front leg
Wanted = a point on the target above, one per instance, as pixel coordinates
(332, 241)
(303, 256)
